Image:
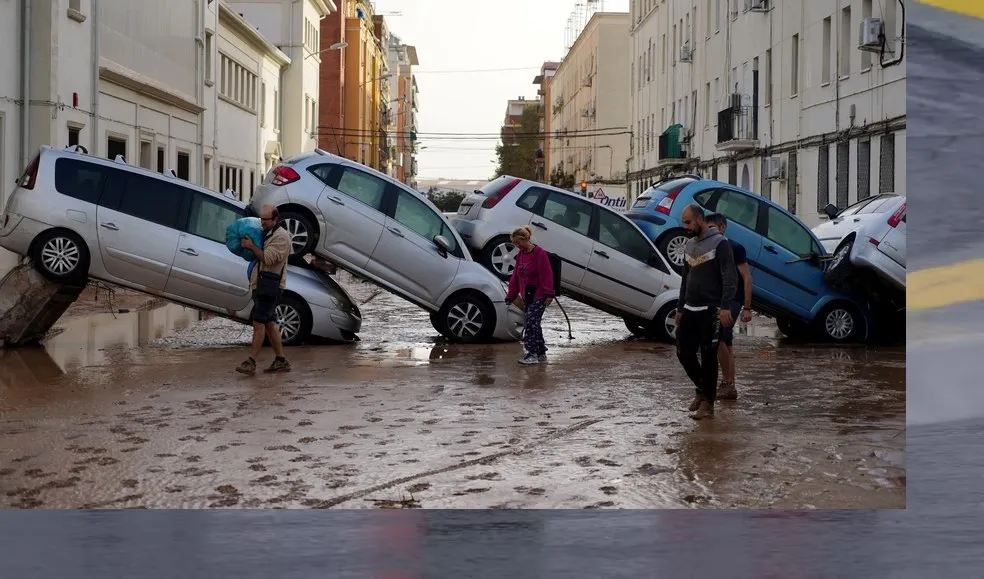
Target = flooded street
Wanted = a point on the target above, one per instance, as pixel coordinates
(143, 410)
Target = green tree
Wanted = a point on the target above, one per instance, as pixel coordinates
(446, 200)
(517, 153)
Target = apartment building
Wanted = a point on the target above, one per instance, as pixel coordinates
(242, 75)
(386, 139)
(542, 81)
(589, 138)
(403, 57)
(293, 26)
(365, 69)
(792, 100)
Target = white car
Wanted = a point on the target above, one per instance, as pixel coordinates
(382, 230)
(869, 235)
(608, 262)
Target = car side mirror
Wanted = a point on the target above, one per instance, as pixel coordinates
(443, 244)
(830, 210)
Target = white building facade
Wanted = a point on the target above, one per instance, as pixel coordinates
(778, 98)
(589, 116)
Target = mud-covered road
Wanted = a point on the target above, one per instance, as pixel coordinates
(398, 420)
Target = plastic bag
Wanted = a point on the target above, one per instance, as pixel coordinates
(246, 227)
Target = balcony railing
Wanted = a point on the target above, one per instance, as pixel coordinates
(737, 128)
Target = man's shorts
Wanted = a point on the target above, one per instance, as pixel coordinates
(264, 308)
(727, 335)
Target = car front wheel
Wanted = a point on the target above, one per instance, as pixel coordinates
(466, 319)
(61, 256)
(840, 323)
(295, 320)
(671, 246)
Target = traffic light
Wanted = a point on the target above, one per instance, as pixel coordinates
(584, 188)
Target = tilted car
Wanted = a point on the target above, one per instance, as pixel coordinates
(78, 216)
(382, 230)
(785, 258)
(607, 261)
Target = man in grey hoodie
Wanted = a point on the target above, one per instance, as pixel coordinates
(709, 284)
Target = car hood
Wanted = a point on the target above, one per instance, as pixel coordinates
(331, 286)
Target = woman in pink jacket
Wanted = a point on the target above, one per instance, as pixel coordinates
(531, 287)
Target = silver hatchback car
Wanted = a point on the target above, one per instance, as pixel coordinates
(78, 216)
(381, 230)
(608, 262)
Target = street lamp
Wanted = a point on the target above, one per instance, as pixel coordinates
(336, 46)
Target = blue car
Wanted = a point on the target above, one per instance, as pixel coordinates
(786, 259)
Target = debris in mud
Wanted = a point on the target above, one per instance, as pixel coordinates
(410, 503)
(651, 469)
(697, 499)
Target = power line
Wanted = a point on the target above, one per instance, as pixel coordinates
(473, 70)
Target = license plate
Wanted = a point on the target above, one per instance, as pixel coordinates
(463, 209)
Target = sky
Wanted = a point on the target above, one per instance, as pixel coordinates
(458, 42)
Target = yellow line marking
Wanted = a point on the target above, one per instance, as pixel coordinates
(938, 287)
(973, 8)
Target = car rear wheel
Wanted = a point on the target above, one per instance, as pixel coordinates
(61, 256)
(664, 325)
(301, 232)
(295, 320)
(839, 322)
(499, 257)
(465, 318)
(839, 269)
(671, 245)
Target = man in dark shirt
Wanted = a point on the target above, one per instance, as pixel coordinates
(741, 308)
(706, 293)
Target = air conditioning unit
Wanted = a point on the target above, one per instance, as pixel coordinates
(775, 169)
(758, 5)
(686, 54)
(872, 34)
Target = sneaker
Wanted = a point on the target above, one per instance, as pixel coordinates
(248, 367)
(704, 410)
(542, 359)
(530, 359)
(278, 365)
(726, 391)
(696, 403)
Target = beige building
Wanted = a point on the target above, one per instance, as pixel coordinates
(589, 114)
(787, 99)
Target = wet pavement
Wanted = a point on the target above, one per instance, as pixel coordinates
(144, 410)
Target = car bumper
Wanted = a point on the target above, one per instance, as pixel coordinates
(867, 255)
(474, 232)
(18, 232)
(510, 322)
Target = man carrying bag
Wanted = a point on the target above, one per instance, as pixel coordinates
(267, 282)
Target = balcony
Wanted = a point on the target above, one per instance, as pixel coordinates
(670, 151)
(737, 127)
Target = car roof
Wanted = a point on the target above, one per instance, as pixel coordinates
(70, 153)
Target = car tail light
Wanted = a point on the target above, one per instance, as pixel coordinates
(492, 199)
(30, 174)
(896, 217)
(284, 176)
(666, 203)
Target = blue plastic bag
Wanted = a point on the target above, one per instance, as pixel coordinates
(246, 227)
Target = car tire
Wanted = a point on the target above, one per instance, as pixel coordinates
(664, 324)
(793, 330)
(465, 318)
(637, 327)
(839, 322)
(302, 232)
(498, 250)
(294, 319)
(839, 270)
(61, 256)
(673, 242)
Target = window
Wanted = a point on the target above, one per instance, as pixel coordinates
(568, 212)
(704, 198)
(843, 173)
(262, 104)
(617, 233)
(717, 15)
(210, 217)
(73, 136)
(146, 158)
(314, 116)
(738, 208)
(160, 159)
(79, 179)
(823, 177)
(825, 52)
(864, 169)
(529, 199)
(787, 233)
(184, 166)
(115, 146)
(879, 204)
(707, 105)
(846, 49)
(794, 57)
(886, 164)
(153, 200)
(419, 218)
(362, 187)
(208, 56)
(307, 113)
(207, 177)
(238, 84)
(276, 110)
(768, 76)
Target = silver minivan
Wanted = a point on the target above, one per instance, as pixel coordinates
(77, 216)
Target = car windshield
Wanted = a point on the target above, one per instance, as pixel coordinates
(494, 187)
(869, 205)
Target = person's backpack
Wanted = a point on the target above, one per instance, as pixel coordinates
(555, 266)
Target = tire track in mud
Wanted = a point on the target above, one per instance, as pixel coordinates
(483, 460)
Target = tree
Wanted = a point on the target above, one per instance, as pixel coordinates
(446, 200)
(517, 152)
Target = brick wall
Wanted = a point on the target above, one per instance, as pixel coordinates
(330, 107)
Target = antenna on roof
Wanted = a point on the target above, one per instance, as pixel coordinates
(171, 173)
(119, 159)
(230, 193)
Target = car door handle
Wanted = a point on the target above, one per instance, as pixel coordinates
(540, 225)
(770, 249)
(395, 231)
(110, 226)
(335, 200)
(188, 251)
(601, 253)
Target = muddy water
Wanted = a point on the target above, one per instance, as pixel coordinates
(402, 419)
